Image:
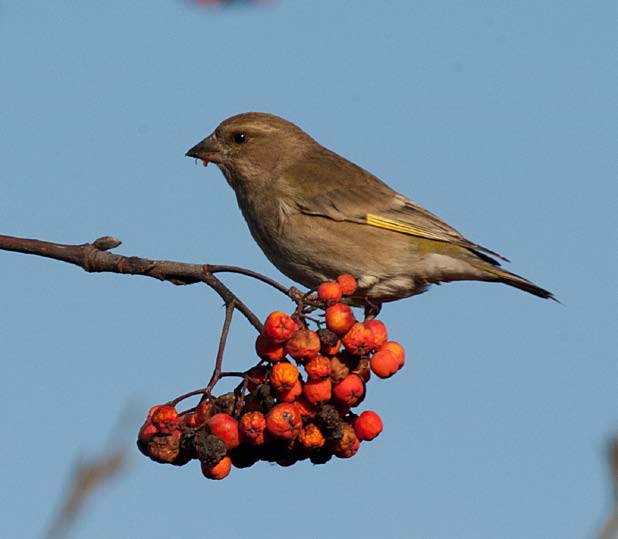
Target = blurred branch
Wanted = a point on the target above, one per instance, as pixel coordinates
(88, 477)
(610, 529)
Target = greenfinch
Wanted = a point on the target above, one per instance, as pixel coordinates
(317, 215)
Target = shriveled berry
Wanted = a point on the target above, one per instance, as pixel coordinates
(208, 447)
(348, 445)
(161, 447)
(329, 342)
(165, 418)
(358, 340)
(311, 437)
(283, 376)
(252, 425)
(339, 368)
(303, 345)
(318, 367)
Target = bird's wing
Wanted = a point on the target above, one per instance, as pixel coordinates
(367, 200)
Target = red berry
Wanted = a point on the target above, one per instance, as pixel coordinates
(269, 350)
(368, 425)
(350, 391)
(340, 318)
(225, 427)
(279, 327)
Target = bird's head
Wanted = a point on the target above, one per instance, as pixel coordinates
(252, 147)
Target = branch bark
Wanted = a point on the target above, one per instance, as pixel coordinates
(95, 258)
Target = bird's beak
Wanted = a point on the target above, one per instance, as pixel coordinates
(207, 150)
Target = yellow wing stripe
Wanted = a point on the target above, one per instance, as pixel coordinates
(397, 226)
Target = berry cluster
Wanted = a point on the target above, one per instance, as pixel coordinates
(278, 413)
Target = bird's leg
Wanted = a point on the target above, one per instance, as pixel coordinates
(372, 309)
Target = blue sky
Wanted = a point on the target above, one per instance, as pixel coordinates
(498, 116)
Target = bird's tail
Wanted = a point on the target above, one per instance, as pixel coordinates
(506, 277)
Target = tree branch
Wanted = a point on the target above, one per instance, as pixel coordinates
(95, 258)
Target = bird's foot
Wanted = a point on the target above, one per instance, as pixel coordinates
(372, 309)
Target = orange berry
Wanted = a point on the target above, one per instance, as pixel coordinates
(252, 425)
(359, 340)
(396, 349)
(225, 427)
(350, 391)
(303, 345)
(380, 335)
(347, 446)
(330, 292)
(368, 425)
(269, 350)
(165, 418)
(218, 471)
(289, 395)
(347, 283)
(316, 391)
(318, 367)
(279, 327)
(283, 376)
(340, 318)
(311, 437)
(284, 421)
(384, 363)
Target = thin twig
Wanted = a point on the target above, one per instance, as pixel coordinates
(217, 268)
(216, 375)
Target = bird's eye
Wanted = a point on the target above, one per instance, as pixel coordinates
(239, 138)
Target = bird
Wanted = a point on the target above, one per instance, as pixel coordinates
(317, 215)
